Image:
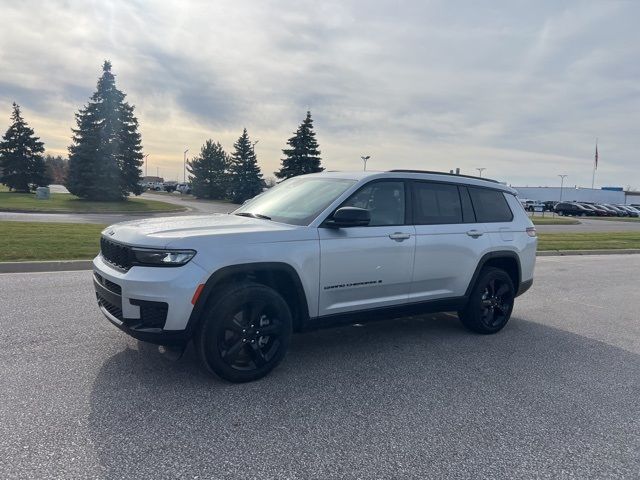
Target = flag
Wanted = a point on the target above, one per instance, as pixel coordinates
(596, 165)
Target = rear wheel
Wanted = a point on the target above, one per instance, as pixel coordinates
(245, 333)
(491, 302)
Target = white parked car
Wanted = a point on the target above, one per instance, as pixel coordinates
(183, 188)
(317, 250)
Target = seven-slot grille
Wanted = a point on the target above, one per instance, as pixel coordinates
(116, 254)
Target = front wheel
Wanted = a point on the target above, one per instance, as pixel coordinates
(491, 302)
(245, 332)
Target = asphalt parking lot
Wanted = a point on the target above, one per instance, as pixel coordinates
(554, 395)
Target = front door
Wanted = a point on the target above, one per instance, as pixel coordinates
(368, 267)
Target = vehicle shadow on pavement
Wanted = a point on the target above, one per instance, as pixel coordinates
(406, 398)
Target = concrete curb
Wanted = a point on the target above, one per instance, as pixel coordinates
(562, 253)
(52, 266)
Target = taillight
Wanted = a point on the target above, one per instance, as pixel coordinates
(531, 231)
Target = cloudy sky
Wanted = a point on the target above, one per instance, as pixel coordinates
(520, 88)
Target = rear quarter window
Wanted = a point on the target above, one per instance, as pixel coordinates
(490, 205)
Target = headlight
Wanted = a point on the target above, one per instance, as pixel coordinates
(162, 258)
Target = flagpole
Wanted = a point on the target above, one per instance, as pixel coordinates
(595, 165)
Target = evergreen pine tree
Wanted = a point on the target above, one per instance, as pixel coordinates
(210, 172)
(303, 156)
(130, 157)
(105, 158)
(246, 179)
(21, 156)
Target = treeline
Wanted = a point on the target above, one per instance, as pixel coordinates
(105, 156)
(237, 177)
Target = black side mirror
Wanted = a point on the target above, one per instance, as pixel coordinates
(350, 217)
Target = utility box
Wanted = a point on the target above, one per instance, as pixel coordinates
(43, 193)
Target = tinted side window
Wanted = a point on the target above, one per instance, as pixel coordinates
(436, 203)
(490, 205)
(384, 200)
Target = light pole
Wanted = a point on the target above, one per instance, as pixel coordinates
(364, 159)
(480, 170)
(184, 167)
(562, 177)
(145, 164)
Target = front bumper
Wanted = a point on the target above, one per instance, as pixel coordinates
(152, 304)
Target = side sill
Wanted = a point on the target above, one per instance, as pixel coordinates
(452, 304)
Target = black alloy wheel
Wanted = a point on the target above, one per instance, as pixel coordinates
(245, 332)
(251, 338)
(496, 302)
(490, 303)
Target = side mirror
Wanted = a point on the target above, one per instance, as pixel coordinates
(350, 217)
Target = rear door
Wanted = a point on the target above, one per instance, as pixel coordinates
(368, 267)
(449, 240)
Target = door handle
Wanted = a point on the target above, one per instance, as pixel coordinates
(475, 233)
(399, 236)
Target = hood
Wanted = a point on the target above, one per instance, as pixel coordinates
(163, 231)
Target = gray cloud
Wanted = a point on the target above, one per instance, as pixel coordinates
(521, 88)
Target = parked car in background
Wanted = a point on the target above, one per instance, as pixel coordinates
(632, 212)
(611, 211)
(533, 206)
(549, 205)
(600, 212)
(635, 209)
(156, 186)
(170, 186)
(573, 209)
(619, 211)
(183, 188)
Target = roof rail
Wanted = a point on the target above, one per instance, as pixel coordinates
(430, 172)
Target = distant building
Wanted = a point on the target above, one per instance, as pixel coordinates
(576, 194)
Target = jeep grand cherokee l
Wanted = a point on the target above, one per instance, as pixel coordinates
(317, 250)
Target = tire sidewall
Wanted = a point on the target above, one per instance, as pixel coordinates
(472, 314)
(225, 304)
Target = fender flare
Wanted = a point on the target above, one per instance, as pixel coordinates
(244, 268)
(490, 256)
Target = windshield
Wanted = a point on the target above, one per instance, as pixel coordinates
(297, 201)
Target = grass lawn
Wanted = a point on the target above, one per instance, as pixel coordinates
(25, 241)
(66, 203)
(554, 221)
(588, 241)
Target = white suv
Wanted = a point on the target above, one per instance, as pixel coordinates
(317, 250)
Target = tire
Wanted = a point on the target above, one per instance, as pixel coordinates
(490, 303)
(228, 340)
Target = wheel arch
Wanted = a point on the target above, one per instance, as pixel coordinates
(280, 276)
(506, 260)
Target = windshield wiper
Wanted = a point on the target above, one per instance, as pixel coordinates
(253, 215)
